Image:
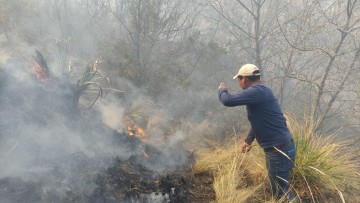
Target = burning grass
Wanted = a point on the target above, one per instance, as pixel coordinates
(133, 180)
(63, 155)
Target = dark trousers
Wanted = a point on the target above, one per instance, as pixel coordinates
(279, 167)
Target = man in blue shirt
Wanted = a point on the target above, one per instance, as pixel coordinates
(268, 127)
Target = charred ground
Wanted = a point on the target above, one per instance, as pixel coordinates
(40, 124)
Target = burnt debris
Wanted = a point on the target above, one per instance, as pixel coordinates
(52, 153)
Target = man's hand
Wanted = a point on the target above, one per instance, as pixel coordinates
(245, 147)
(222, 86)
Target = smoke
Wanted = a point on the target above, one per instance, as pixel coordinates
(45, 139)
(112, 115)
(46, 142)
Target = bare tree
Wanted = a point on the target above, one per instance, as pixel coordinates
(250, 25)
(330, 34)
(308, 50)
(148, 31)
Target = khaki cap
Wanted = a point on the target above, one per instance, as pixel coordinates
(248, 70)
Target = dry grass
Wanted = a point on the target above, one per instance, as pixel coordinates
(325, 171)
(235, 178)
(325, 168)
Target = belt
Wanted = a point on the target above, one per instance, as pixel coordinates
(279, 147)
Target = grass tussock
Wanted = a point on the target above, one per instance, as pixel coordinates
(235, 178)
(325, 170)
(325, 167)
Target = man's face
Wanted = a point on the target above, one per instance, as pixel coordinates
(242, 82)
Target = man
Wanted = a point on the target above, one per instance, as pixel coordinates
(268, 127)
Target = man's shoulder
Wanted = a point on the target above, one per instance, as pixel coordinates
(260, 86)
(264, 90)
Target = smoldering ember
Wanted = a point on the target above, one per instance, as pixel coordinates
(61, 153)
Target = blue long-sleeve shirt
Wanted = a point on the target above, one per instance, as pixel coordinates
(268, 124)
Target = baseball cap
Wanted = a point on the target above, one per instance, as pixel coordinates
(247, 70)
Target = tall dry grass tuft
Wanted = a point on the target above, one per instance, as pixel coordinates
(326, 170)
(325, 167)
(236, 176)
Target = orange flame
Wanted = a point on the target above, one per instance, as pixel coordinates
(137, 132)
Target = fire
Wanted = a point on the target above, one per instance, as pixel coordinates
(137, 132)
(134, 130)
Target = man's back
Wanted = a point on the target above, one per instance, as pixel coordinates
(264, 113)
